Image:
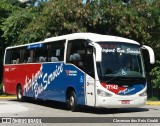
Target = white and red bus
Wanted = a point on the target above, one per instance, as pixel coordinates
(80, 69)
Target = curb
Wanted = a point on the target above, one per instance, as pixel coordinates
(6, 97)
(153, 103)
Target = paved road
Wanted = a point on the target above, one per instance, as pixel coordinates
(13, 108)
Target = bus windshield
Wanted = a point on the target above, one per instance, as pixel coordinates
(120, 60)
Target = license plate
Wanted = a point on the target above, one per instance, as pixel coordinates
(125, 102)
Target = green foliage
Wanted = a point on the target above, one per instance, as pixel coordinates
(17, 21)
(153, 98)
(138, 21)
(1, 85)
(66, 17)
(135, 21)
(5, 10)
(1, 88)
(155, 73)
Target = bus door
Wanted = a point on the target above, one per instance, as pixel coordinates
(90, 81)
(90, 90)
(77, 55)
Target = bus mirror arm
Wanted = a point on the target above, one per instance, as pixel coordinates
(98, 51)
(151, 53)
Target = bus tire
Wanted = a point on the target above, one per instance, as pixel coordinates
(73, 102)
(20, 96)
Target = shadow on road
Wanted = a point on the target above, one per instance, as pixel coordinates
(84, 109)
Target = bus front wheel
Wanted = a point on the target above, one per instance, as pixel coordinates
(73, 102)
(20, 96)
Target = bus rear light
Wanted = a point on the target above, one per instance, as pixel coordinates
(3, 88)
(103, 93)
(143, 93)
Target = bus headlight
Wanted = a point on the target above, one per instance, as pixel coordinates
(143, 93)
(103, 93)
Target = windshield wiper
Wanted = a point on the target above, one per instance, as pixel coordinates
(131, 78)
(142, 80)
(115, 77)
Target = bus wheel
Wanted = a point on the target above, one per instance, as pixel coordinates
(73, 102)
(20, 96)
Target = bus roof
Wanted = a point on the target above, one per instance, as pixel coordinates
(93, 37)
(90, 36)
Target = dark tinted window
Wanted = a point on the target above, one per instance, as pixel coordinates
(39, 52)
(76, 54)
(8, 56)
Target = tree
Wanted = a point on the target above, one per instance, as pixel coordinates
(17, 21)
(138, 20)
(155, 74)
(5, 10)
(66, 17)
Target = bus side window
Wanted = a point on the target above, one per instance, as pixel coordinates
(76, 53)
(15, 56)
(8, 56)
(56, 51)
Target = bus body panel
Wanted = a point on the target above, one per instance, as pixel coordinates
(121, 97)
(119, 102)
(45, 81)
(16, 74)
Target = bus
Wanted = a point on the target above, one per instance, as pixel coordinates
(79, 69)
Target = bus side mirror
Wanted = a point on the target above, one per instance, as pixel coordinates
(89, 50)
(151, 53)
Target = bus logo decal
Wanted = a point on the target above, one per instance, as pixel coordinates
(45, 80)
(81, 79)
(122, 90)
(123, 72)
(71, 72)
(126, 91)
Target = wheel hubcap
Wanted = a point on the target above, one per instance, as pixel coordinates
(71, 101)
(19, 94)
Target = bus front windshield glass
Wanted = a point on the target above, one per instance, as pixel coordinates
(120, 61)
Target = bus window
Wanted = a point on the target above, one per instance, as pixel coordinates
(22, 53)
(40, 54)
(89, 65)
(8, 56)
(26, 56)
(76, 53)
(15, 56)
(55, 51)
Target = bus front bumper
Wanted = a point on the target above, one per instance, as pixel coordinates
(120, 102)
